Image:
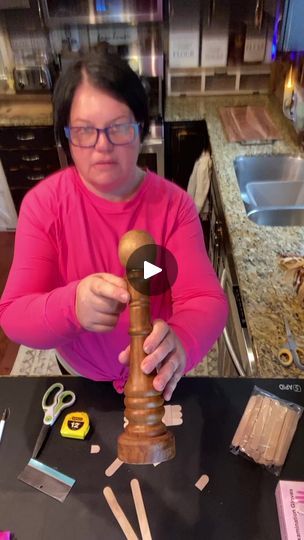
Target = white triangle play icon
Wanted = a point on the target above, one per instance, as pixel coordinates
(150, 270)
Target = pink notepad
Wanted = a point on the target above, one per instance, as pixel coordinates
(290, 504)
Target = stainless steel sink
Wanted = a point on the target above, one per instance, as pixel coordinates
(272, 188)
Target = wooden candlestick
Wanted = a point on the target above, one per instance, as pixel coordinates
(145, 438)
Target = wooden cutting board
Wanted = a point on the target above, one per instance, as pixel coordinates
(248, 124)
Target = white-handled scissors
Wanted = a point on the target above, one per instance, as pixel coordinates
(52, 408)
(61, 399)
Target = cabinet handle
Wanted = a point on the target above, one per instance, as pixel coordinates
(34, 157)
(182, 133)
(35, 177)
(26, 137)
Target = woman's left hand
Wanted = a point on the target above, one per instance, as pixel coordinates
(166, 354)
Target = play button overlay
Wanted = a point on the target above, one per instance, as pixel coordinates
(157, 266)
(150, 270)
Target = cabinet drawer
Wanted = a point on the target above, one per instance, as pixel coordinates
(27, 137)
(26, 177)
(30, 158)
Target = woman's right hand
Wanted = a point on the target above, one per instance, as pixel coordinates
(100, 298)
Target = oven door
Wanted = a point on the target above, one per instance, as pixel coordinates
(152, 151)
(152, 157)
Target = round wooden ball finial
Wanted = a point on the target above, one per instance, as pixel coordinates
(132, 241)
(145, 438)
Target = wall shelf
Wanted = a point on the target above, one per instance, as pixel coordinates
(232, 79)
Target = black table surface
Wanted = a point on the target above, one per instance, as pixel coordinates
(238, 503)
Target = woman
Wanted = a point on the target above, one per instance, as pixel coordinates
(66, 287)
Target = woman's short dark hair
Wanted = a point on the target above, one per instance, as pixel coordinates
(106, 71)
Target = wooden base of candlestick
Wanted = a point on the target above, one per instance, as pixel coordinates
(146, 450)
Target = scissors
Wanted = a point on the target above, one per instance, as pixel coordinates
(60, 400)
(290, 351)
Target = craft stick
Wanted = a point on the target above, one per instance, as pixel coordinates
(254, 449)
(250, 423)
(95, 449)
(140, 510)
(119, 514)
(288, 430)
(202, 482)
(264, 438)
(173, 415)
(113, 467)
(238, 436)
(275, 427)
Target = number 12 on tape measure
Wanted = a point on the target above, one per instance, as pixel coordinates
(75, 425)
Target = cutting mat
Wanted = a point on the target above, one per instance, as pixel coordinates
(248, 124)
(238, 502)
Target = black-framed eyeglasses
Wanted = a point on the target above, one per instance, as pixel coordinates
(87, 137)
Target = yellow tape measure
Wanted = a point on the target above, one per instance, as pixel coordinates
(75, 425)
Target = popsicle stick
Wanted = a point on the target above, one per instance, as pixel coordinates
(250, 424)
(95, 449)
(264, 438)
(173, 415)
(239, 434)
(257, 430)
(113, 467)
(119, 514)
(288, 430)
(140, 510)
(202, 482)
(275, 428)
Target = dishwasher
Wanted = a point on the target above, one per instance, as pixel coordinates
(236, 355)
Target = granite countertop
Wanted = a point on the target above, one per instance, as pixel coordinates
(26, 110)
(265, 291)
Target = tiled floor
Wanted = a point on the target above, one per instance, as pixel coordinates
(208, 367)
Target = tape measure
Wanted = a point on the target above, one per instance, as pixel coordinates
(75, 425)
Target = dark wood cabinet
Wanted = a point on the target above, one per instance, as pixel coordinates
(184, 143)
(28, 155)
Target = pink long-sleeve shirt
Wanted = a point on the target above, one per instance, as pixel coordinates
(65, 233)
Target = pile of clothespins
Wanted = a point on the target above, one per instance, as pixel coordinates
(294, 265)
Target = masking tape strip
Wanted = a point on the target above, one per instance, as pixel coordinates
(140, 510)
(113, 467)
(119, 514)
(202, 482)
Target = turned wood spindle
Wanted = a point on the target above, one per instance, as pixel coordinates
(145, 438)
